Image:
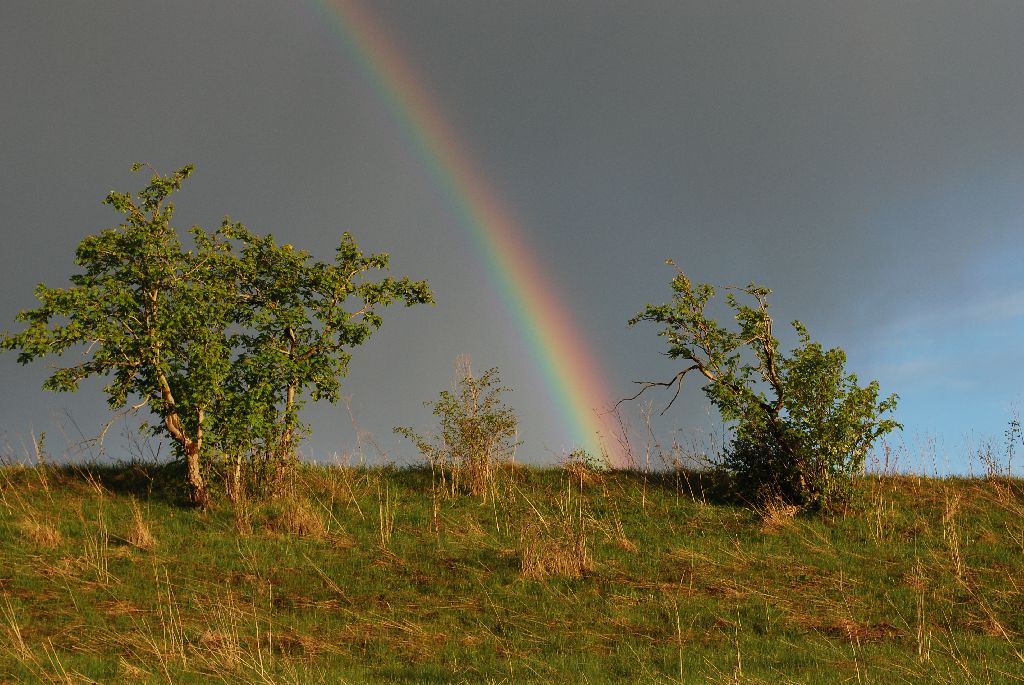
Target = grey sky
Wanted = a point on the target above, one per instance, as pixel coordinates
(866, 160)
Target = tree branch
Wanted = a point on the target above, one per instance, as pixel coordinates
(120, 415)
(676, 380)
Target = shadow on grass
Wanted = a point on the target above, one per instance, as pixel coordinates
(713, 487)
(707, 485)
(163, 482)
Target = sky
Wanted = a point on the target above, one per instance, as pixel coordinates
(864, 160)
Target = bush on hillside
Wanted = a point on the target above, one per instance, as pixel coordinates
(801, 426)
(477, 431)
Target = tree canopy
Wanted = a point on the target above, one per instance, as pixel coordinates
(223, 341)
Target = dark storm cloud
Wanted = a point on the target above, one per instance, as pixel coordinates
(864, 159)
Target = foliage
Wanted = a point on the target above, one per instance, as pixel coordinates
(295, 333)
(477, 431)
(802, 426)
(221, 341)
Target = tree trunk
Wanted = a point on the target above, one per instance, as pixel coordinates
(198, 493)
(286, 447)
(235, 480)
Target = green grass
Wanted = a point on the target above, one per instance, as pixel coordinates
(363, 575)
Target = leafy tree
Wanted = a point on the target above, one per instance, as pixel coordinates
(296, 327)
(477, 431)
(801, 425)
(221, 341)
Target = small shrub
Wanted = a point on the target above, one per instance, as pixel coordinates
(477, 432)
(801, 426)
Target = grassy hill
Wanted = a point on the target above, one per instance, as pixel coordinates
(377, 575)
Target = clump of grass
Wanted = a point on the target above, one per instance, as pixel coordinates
(776, 515)
(582, 468)
(40, 532)
(140, 534)
(295, 516)
(559, 547)
(131, 673)
(545, 553)
(243, 515)
(97, 555)
(951, 531)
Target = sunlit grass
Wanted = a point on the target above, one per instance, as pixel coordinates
(365, 575)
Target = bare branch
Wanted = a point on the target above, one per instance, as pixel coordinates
(98, 440)
(676, 380)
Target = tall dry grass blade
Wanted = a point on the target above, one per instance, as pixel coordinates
(15, 641)
(951, 531)
(385, 516)
(41, 465)
(96, 557)
(172, 628)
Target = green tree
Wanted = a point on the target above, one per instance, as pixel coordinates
(801, 426)
(219, 341)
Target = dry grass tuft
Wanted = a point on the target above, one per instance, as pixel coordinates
(223, 646)
(243, 516)
(626, 545)
(140, 535)
(581, 474)
(557, 547)
(856, 632)
(131, 673)
(559, 552)
(776, 516)
(40, 533)
(296, 517)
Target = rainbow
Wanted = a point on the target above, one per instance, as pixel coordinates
(573, 377)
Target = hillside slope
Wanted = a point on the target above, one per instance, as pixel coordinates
(377, 575)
